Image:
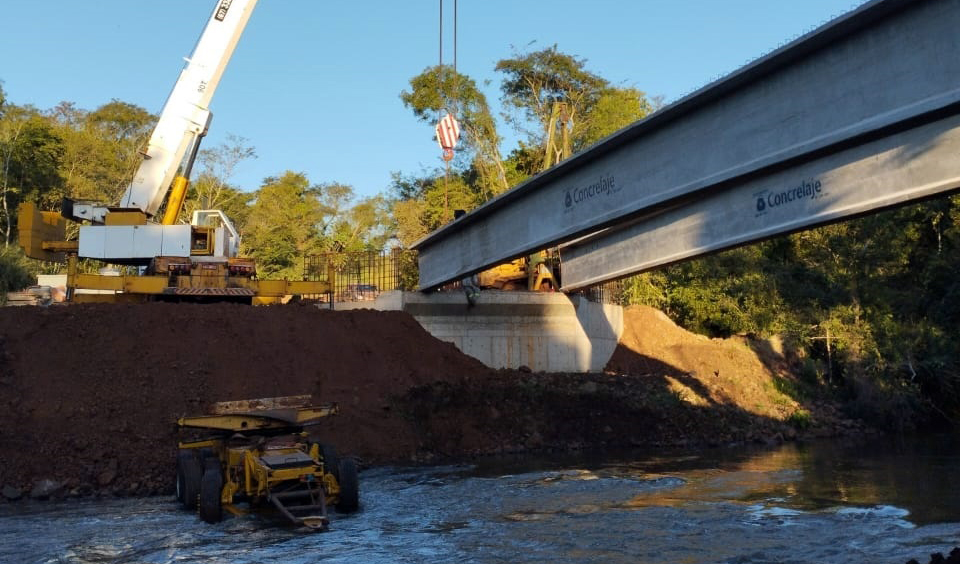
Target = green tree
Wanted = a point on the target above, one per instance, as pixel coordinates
(524, 161)
(614, 109)
(16, 271)
(533, 82)
(409, 218)
(124, 128)
(125, 123)
(30, 155)
(291, 218)
(426, 202)
(211, 189)
(101, 148)
(409, 206)
(335, 199)
(366, 226)
(561, 107)
(536, 86)
(210, 192)
(282, 225)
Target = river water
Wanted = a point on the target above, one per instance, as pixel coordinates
(883, 501)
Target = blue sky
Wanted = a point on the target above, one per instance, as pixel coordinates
(314, 86)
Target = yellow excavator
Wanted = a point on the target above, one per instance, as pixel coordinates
(536, 273)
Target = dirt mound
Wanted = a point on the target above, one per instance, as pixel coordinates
(754, 377)
(663, 386)
(513, 412)
(89, 393)
(700, 370)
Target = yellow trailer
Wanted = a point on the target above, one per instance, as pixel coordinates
(256, 451)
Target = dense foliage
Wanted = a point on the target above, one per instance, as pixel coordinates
(869, 306)
(553, 102)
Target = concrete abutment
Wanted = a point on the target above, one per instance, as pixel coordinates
(547, 332)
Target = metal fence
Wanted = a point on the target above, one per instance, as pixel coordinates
(362, 276)
(357, 277)
(606, 293)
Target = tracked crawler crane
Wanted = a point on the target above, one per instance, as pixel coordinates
(175, 261)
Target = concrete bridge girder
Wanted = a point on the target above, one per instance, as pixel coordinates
(877, 73)
(887, 172)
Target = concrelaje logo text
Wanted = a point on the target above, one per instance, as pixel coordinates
(605, 186)
(806, 190)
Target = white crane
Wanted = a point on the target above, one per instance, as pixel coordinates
(123, 234)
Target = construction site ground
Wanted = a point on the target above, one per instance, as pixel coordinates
(89, 394)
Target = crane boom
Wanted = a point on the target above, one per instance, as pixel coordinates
(185, 115)
(184, 119)
(122, 233)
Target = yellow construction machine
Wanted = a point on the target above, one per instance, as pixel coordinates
(537, 273)
(257, 452)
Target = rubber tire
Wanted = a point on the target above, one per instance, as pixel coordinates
(331, 462)
(180, 481)
(206, 455)
(189, 474)
(211, 463)
(349, 499)
(210, 486)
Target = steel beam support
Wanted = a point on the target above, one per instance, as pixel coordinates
(884, 69)
(893, 170)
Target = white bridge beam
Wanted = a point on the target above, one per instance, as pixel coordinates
(897, 169)
(855, 116)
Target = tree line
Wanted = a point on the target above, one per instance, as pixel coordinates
(869, 307)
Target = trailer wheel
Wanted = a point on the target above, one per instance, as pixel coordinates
(208, 458)
(210, 486)
(331, 463)
(349, 500)
(189, 473)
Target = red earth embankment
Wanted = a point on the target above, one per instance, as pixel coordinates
(89, 393)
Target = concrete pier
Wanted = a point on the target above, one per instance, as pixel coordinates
(548, 332)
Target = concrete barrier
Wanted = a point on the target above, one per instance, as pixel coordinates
(549, 332)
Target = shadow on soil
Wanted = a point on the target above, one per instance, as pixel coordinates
(633, 405)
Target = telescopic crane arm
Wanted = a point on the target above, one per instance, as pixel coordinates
(184, 119)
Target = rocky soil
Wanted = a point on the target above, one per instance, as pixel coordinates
(938, 558)
(89, 394)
